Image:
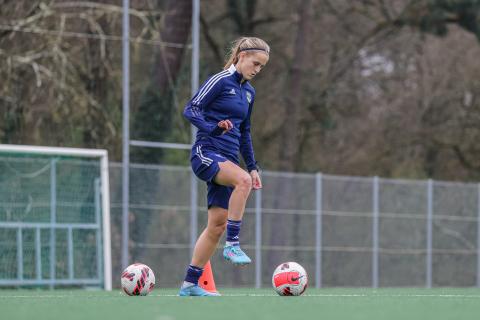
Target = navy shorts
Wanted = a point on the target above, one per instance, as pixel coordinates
(204, 159)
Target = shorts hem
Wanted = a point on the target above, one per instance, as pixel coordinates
(215, 204)
(214, 174)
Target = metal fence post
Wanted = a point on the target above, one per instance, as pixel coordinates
(375, 233)
(318, 230)
(71, 267)
(429, 232)
(258, 238)
(194, 87)
(125, 132)
(53, 219)
(193, 211)
(478, 235)
(38, 254)
(19, 253)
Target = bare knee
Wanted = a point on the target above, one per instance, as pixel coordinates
(244, 183)
(216, 230)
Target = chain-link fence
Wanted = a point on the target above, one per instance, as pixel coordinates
(345, 231)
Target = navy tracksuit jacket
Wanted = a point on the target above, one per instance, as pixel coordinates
(223, 96)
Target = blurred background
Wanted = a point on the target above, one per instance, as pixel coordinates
(352, 87)
(353, 90)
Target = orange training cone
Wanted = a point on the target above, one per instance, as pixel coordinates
(206, 280)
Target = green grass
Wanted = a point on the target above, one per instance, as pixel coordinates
(163, 304)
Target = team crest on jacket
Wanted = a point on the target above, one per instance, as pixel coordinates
(249, 97)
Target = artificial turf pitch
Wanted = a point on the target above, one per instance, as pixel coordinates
(163, 304)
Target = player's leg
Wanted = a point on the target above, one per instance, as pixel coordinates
(232, 175)
(208, 240)
(203, 251)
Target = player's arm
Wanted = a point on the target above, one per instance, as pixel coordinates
(194, 110)
(246, 149)
(246, 145)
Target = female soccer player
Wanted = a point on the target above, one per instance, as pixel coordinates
(221, 111)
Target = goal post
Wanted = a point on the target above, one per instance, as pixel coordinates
(54, 217)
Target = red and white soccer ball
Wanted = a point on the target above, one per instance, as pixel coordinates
(138, 280)
(290, 279)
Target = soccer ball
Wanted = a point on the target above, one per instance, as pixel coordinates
(289, 279)
(138, 280)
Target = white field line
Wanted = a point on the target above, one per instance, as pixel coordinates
(447, 296)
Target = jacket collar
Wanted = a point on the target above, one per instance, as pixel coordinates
(237, 75)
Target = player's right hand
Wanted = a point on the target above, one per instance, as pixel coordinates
(227, 125)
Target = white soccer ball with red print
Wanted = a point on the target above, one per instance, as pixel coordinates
(138, 280)
(290, 279)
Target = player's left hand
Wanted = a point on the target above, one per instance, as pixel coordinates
(256, 181)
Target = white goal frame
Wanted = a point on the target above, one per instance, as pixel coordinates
(105, 191)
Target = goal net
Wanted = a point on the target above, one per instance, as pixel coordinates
(54, 217)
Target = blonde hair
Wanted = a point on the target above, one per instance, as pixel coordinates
(245, 44)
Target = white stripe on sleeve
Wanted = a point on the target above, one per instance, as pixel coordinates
(209, 85)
